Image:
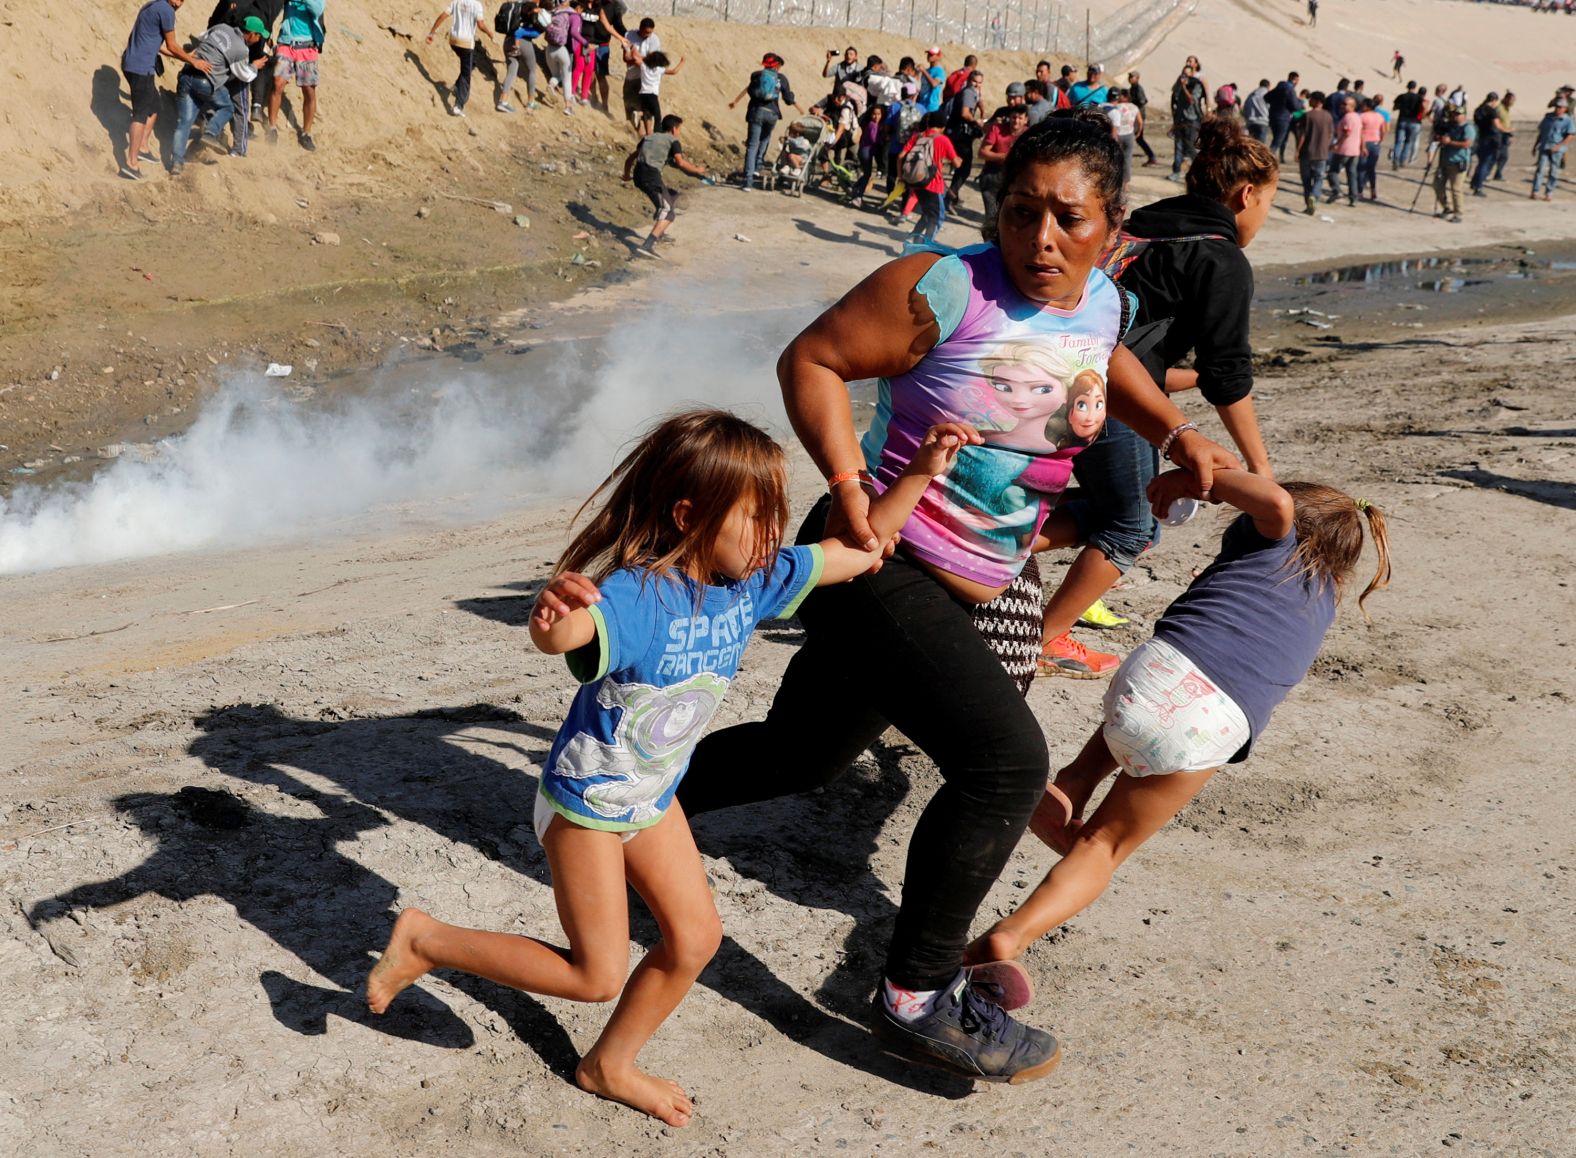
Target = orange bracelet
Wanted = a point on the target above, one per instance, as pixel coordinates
(842, 476)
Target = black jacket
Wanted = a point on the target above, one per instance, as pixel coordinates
(1193, 295)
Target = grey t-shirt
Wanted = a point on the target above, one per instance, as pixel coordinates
(657, 150)
(223, 47)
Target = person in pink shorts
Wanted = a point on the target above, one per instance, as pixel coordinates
(301, 35)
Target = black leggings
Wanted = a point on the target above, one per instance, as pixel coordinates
(964, 144)
(894, 648)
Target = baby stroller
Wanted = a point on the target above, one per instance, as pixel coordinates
(796, 161)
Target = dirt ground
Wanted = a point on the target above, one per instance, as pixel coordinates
(225, 773)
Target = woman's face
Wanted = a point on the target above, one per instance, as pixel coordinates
(1086, 413)
(1025, 393)
(1051, 227)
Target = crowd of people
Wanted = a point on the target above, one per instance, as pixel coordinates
(921, 128)
(233, 75)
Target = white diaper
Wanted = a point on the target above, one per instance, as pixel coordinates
(545, 813)
(1163, 715)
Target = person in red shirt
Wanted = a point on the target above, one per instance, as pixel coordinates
(930, 142)
(1005, 128)
(959, 78)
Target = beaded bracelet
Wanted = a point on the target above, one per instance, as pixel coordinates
(1165, 447)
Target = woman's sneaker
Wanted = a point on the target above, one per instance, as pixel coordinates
(1065, 656)
(1101, 616)
(966, 1034)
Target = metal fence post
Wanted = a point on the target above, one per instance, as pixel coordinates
(1088, 37)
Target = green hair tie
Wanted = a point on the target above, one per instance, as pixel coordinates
(1363, 504)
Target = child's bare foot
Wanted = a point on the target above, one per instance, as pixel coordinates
(995, 944)
(1054, 820)
(651, 1095)
(400, 964)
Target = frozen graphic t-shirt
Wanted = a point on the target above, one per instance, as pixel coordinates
(1030, 377)
(664, 653)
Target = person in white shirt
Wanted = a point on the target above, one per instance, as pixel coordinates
(466, 17)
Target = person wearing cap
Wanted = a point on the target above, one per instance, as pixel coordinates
(249, 98)
(1091, 91)
(1140, 100)
(768, 86)
(933, 81)
(227, 53)
(1455, 143)
(1554, 137)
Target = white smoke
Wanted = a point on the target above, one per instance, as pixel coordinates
(467, 443)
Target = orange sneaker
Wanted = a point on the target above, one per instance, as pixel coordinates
(1065, 656)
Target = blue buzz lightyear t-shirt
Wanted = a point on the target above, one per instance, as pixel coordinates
(653, 678)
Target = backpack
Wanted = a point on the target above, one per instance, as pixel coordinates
(1486, 121)
(1125, 248)
(919, 165)
(767, 85)
(558, 30)
(509, 17)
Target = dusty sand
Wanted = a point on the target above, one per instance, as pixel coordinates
(225, 772)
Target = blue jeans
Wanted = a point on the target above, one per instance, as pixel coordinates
(1368, 169)
(1312, 177)
(1111, 512)
(1487, 154)
(932, 213)
(193, 94)
(761, 126)
(1547, 172)
(1280, 129)
(1404, 147)
(1503, 158)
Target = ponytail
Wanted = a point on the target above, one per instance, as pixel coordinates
(1378, 533)
(1228, 159)
(1329, 526)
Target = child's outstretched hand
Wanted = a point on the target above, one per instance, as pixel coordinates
(562, 596)
(941, 445)
(1166, 488)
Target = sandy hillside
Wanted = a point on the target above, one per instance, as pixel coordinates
(382, 128)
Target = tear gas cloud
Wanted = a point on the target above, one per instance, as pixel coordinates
(428, 440)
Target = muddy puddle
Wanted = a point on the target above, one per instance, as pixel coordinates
(1376, 301)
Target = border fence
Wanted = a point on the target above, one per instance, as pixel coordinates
(1049, 26)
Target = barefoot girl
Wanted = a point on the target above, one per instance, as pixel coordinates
(1200, 692)
(686, 559)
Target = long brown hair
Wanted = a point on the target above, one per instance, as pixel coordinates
(1228, 159)
(1329, 527)
(709, 459)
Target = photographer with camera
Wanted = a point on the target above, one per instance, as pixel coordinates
(1453, 140)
